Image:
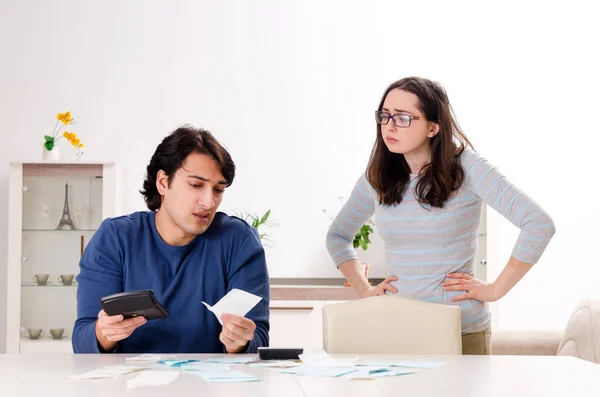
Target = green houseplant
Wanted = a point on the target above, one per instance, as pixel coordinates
(361, 239)
(258, 222)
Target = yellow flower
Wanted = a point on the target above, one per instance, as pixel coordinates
(65, 118)
(71, 137)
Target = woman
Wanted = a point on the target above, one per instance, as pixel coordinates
(427, 187)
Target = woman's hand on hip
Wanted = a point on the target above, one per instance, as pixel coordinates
(473, 287)
(380, 289)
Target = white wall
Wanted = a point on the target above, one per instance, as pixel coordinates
(290, 88)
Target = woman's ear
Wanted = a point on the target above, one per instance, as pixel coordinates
(433, 130)
(162, 182)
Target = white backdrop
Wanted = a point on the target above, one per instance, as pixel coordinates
(290, 88)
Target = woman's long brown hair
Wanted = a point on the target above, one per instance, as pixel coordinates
(389, 173)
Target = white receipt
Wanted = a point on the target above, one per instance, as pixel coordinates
(152, 378)
(106, 372)
(236, 302)
(320, 358)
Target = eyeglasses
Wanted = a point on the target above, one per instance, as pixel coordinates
(401, 120)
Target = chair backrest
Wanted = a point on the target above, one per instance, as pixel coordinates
(582, 334)
(391, 324)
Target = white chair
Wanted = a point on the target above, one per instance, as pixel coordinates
(582, 335)
(391, 324)
(580, 338)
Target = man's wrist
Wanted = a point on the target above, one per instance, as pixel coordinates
(241, 349)
(104, 345)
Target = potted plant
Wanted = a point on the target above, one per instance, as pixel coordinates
(50, 150)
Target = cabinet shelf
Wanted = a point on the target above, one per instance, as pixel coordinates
(45, 338)
(50, 285)
(60, 231)
(46, 345)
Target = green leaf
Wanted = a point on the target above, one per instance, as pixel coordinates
(265, 216)
(256, 221)
(49, 145)
(361, 239)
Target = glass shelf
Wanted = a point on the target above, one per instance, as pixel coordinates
(60, 231)
(46, 338)
(50, 285)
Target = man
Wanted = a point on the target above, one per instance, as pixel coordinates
(183, 250)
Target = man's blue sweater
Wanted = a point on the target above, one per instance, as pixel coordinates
(127, 254)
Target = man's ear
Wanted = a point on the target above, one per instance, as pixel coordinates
(162, 182)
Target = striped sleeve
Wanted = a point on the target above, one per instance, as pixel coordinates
(486, 182)
(355, 212)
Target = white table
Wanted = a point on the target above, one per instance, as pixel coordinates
(464, 376)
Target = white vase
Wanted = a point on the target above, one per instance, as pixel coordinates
(51, 155)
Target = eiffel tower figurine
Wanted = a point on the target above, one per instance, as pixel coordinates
(66, 216)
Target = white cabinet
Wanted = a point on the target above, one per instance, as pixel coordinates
(297, 323)
(54, 210)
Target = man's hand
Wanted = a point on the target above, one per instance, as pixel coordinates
(111, 329)
(380, 289)
(237, 332)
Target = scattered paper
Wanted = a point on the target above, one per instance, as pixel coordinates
(275, 364)
(205, 367)
(319, 357)
(176, 363)
(152, 358)
(404, 363)
(230, 360)
(364, 372)
(371, 373)
(96, 374)
(107, 372)
(226, 376)
(320, 370)
(383, 374)
(153, 378)
(236, 302)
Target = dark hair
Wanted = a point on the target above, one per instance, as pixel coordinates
(172, 152)
(389, 173)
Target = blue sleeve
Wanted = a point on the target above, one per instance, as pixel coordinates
(249, 273)
(100, 274)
